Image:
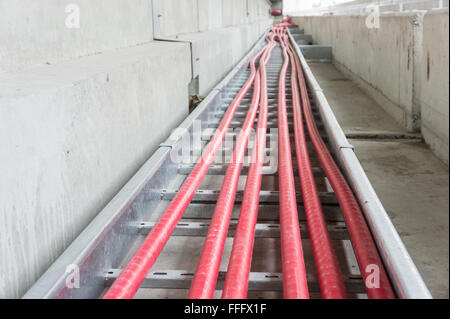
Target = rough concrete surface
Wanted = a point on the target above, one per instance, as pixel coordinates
(34, 32)
(434, 84)
(412, 183)
(72, 135)
(402, 65)
(413, 186)
(220, 49)
(187, 16)
(382, 64)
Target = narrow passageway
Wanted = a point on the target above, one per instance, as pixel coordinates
(297, 211)
(224, 149)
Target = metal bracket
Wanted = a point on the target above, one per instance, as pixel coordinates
(211, 195)
(257, 281)
(338, 230)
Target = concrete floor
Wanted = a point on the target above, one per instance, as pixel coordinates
(412, 183)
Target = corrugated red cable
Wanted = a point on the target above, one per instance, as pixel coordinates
(366, 252)
(330, 277)
(236, 280)
(205, 277)
(293, 264)
(130, 279)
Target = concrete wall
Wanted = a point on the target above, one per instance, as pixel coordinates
(434, 82)
(34, 32)
(216, 55)
(387, 62)
(378, 59)
(82, 109)
(360, 7)
(187, 16)
(70, 139)
(210, 17)
(222, 31)
(177, 16)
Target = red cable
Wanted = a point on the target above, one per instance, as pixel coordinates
(130, 279)
(365, 250)
(205, 277)
(236, 280)
(293, 264)
(330, 277)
